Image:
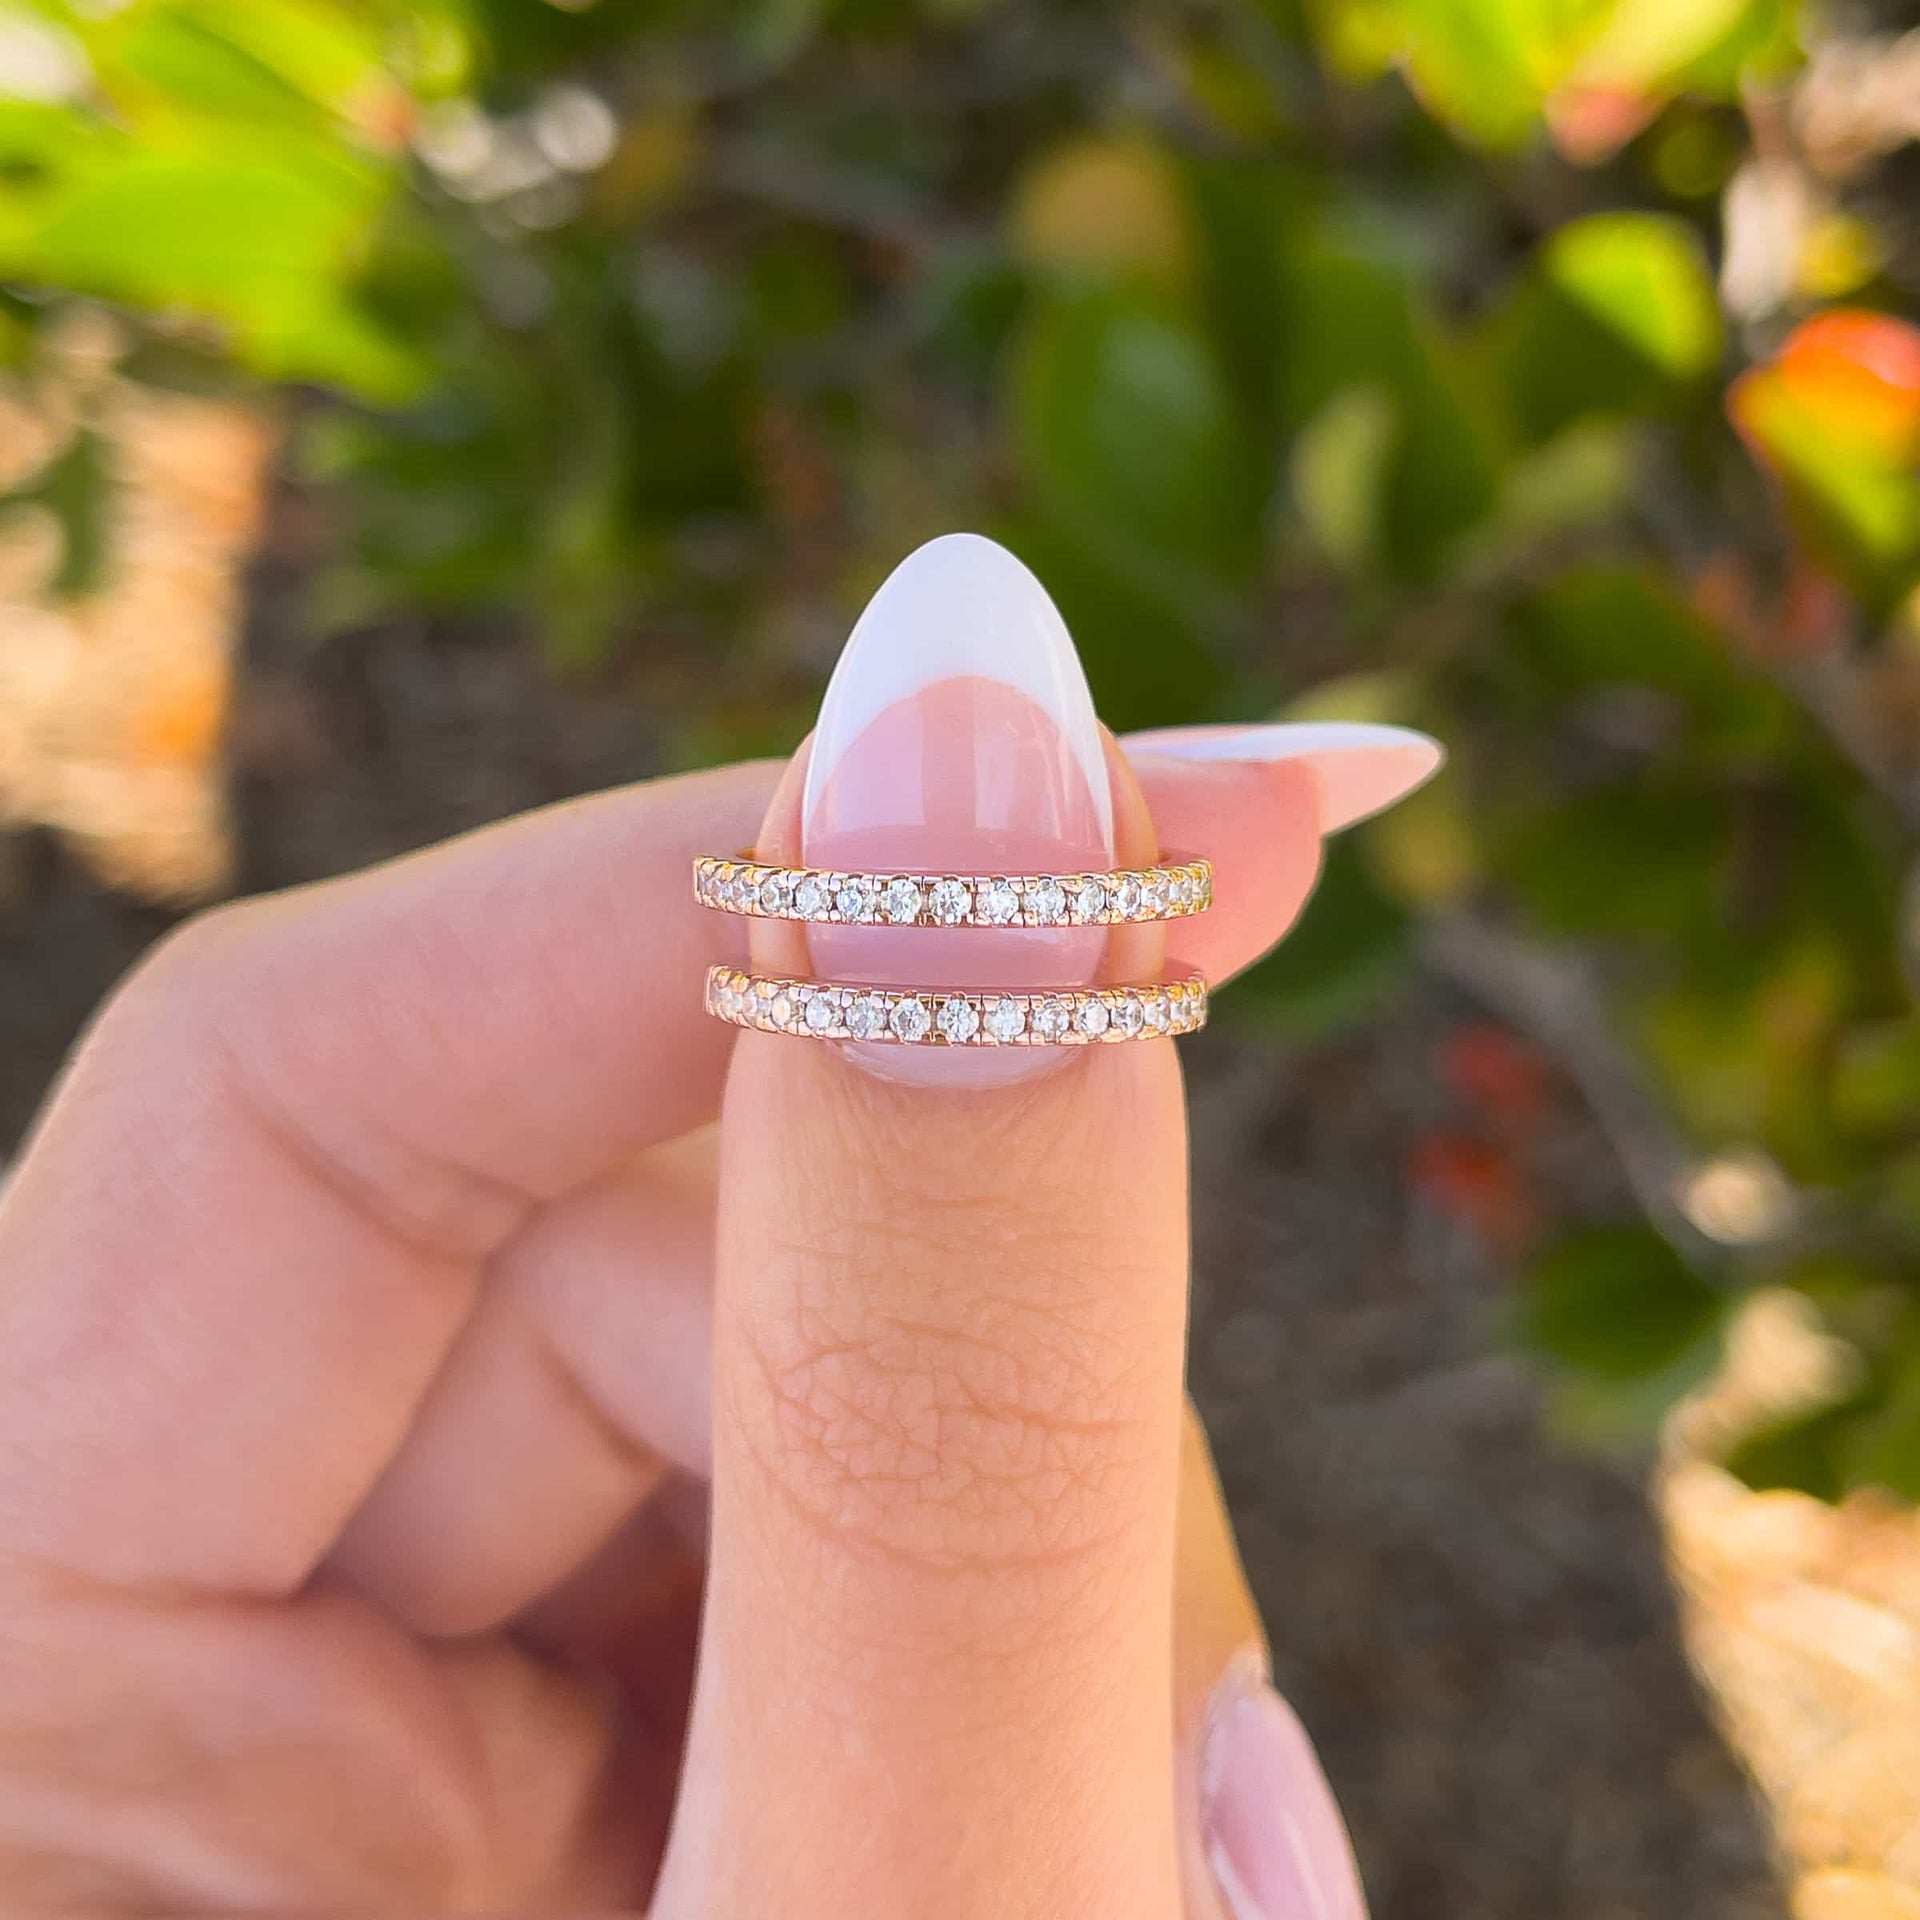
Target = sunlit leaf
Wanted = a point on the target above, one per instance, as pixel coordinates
(1618, 315)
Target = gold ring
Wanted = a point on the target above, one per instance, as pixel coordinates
(1112, 898)
(941, 1017)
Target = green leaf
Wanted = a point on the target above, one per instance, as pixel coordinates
(1339, 469)
(1350, 949)
(1882, 1449)
(1354, 324)
(1623, 859)
(1876, 1079)
(1802, 1454)
(1125, 427)
(76, 487)
(1616, 1303)
(1618, 316)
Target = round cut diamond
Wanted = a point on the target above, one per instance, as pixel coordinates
(1153, 894)
(958, 1019)
(1128, 1017)
(776, 893)
(1049, 1019)
(781, 1010)
(1155, 1014)
(951, 901)
(997, 903)
(1183, 888)
(1046, 903)
(1005, 1018)
(910, 1019)
(1089, 900)
(811, 899)
(1091, 1018)
(855, 899)
(867, 1017)
(1126, 896)
(901, 901)
(822, 1015)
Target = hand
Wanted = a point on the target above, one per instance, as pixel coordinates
(357, 1292)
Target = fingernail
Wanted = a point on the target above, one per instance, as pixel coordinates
(958, 735)
(1359, 768)
(1273, 1835)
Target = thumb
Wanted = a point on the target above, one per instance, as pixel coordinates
(936, 1667)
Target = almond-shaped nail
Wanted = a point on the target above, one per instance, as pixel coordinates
(1360, 768)
(958, 735)
(1274, 1839)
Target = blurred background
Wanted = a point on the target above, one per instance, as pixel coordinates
(409, 414)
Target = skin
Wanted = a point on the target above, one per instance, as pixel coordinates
(382, 1290)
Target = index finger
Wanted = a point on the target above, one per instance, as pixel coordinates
(254, 1216)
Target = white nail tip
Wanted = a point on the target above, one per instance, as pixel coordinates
(1360, 767)
(960, 606)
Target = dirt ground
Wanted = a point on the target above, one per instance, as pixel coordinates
(1472, 1620)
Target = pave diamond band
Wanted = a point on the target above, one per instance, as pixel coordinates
(953, 899)
(925, 1016)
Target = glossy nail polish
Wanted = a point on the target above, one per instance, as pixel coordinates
(1274, 1839)
(1359, 768)
(958, 735)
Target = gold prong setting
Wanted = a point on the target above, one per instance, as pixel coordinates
(943, 1017)
(824, 897)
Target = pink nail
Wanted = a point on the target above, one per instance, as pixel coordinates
(1273, 1835)
(958, 735)
(1359, 768)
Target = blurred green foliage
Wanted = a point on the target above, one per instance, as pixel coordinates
(1360, 358)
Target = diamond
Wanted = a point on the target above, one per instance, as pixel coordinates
(1155, 1013)
(910, 1019)
(1153, 895)
(822, 1015)
(1183, 889)
(1006, 1018)
(997, 903)
(782, 1010)
(1089, 900)
(951, 901)
(1046, 903)
(1049, 1019)
(1126, 896)
(811, 900)
(867, 1017)
(1091, 1017)
(776, 894)
(901, 901)
(855, 899)
(958, 1019)
(1127, 1016)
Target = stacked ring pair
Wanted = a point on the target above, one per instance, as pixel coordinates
(822, 1010)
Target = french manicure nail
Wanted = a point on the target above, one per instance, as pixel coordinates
(1360, 768)
(958, 734)
(1273, 1835)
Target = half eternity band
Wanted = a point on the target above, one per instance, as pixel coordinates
(937, 1017)
(1104, 899)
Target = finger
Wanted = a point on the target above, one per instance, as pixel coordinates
(568, 1386)
(948, 1328)
(253, 1219)
(568, 1396)
(1261, 1835)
